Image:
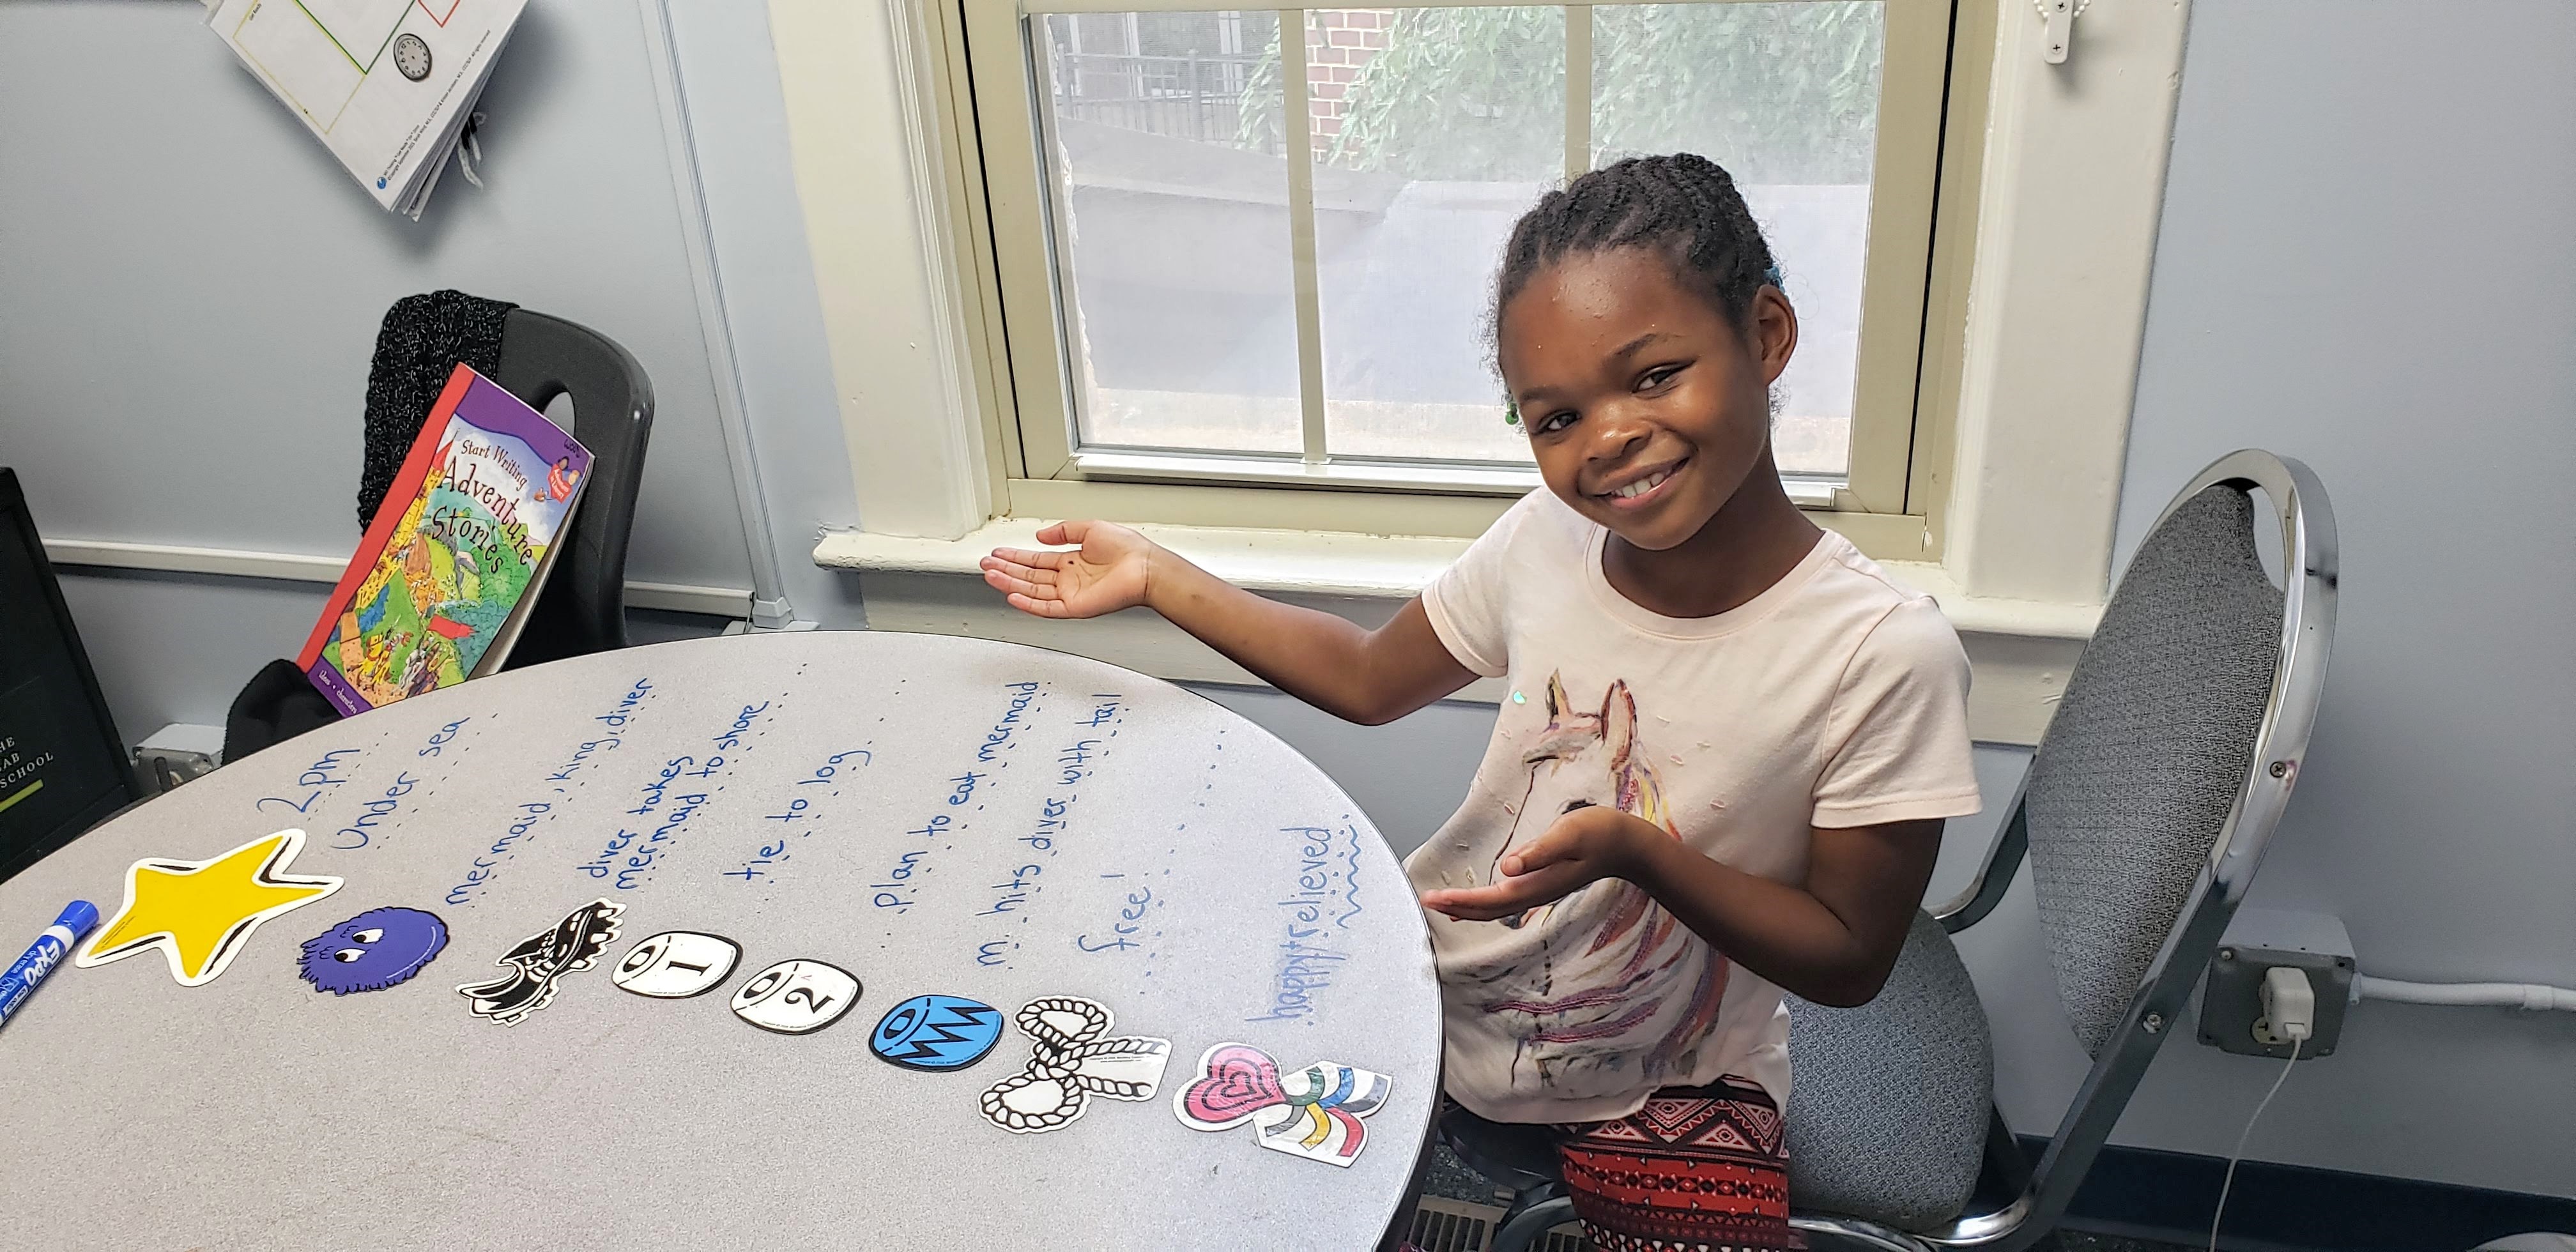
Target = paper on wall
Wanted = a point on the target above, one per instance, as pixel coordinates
(387, 85)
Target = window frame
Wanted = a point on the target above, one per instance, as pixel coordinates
(1009, 247)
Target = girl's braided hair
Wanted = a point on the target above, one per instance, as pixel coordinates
(1682, 206)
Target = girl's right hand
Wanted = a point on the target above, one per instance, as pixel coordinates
(1106, 573)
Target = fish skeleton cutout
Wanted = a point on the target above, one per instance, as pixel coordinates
(540, 960)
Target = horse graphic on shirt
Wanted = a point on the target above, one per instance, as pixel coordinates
(1616, 964)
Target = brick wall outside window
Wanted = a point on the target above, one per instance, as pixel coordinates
(1338, 43)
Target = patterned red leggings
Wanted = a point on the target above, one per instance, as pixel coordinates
(1698, 1169)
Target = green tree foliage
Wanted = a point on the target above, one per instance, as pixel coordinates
(1776, 92)
(1471, 94)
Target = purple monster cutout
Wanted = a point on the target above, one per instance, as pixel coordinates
(372, 951)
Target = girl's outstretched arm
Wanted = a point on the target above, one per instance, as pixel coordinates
(1360, 675)
(1832, 939)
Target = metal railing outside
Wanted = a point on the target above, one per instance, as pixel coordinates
(1192, 96)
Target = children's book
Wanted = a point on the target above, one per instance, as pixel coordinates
(450, 567)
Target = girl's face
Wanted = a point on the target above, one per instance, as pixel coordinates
(1644, 406)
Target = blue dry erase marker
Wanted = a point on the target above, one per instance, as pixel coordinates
(49, 951)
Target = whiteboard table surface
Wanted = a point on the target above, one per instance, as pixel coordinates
(256, 1111)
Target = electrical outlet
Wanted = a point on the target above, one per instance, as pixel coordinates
(176, 754)
(2231, 1003)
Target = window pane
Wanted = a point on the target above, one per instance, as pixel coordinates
(1434, 129)
(1785, 96)
(1171, 196)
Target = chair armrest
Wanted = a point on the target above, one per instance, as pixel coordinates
(2003, 860)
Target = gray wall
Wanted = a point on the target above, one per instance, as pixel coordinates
(193, 284)
(730, 77)
(177, 647)
(2366, 262)
(188, 282)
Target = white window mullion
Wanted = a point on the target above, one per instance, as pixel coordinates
(1297, 131)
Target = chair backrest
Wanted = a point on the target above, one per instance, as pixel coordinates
(2140, 768)
(2165, 770)
(582, 607)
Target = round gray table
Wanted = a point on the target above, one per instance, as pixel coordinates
(1002, 824)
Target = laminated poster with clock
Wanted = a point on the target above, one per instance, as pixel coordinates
(386, 85)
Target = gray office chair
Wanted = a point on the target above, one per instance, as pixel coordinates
(2144, 815)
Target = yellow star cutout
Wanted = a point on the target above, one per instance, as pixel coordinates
(199, 913)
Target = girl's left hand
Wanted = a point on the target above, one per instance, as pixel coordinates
(1582, 847)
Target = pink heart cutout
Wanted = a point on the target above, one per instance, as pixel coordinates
(1240, 1081)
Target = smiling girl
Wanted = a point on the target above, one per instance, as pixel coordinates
(1730, 743)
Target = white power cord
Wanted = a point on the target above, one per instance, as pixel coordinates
(2532, 997)
(2289, 1013)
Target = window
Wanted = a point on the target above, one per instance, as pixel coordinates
(2050, 177)
(1218, 255)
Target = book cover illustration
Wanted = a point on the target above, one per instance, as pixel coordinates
(451, 564)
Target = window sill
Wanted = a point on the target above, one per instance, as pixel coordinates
(2021, 649)
(1295, 562)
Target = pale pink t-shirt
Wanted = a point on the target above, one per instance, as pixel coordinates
(1834, 699)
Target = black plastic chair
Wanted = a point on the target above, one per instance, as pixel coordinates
(582, 607)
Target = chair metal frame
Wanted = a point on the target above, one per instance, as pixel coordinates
(2042, 1193)
(2309, 561)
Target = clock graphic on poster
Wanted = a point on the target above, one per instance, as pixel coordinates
(411, 56)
